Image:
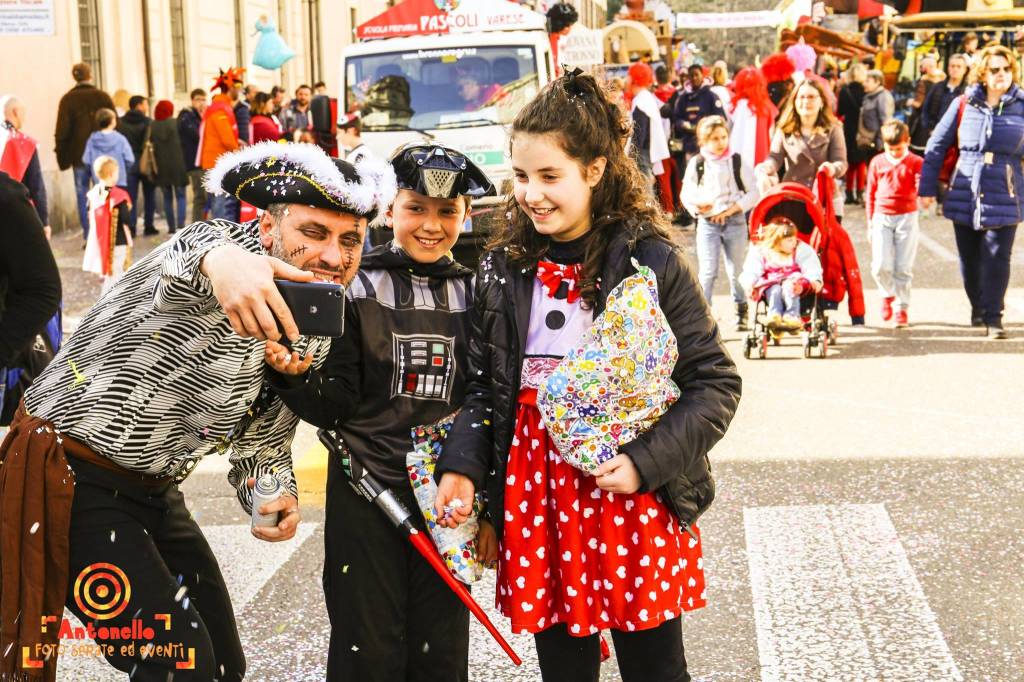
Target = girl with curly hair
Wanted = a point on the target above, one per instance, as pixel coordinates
(615, 549)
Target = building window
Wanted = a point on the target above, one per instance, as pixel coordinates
(89, 29)
(353, 21)
(178, 49)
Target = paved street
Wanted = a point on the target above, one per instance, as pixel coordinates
(868, 524)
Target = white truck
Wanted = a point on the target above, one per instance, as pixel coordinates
(461, 90)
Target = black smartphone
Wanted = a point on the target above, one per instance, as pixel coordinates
(318, 308)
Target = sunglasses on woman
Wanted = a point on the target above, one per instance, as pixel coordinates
(999, 69)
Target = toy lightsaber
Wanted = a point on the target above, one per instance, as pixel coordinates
(372, 490)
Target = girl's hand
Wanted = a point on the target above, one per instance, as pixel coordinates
(486, 544)
(828, 168)
(618, 475)
(286, 361)
(458, 489)
(703, 208)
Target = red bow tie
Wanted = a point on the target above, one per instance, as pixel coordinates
(551, 276)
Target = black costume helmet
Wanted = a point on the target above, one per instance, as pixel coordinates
(439, 172)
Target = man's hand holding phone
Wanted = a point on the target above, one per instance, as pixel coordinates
(243, 284)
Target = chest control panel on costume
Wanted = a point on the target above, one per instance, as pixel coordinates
(318, 308)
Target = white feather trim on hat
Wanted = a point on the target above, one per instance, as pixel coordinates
(383, 176)
(375, 190)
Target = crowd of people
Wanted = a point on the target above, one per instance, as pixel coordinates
(158, 148)
(585, 536)
(715, 145)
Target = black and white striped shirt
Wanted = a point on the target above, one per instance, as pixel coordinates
(154, 377)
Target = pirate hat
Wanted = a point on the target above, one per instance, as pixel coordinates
(439, 172)
(273, 173)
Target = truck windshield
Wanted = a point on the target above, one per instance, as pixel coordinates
(440, 88)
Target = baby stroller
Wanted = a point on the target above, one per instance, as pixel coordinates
(814, 220)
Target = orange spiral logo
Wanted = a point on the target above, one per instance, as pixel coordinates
(102, 591)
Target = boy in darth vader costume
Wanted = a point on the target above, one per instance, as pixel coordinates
(401, 364)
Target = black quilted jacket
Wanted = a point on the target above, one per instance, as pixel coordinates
(672, 456)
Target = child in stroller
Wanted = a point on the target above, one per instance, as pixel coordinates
(779, 272)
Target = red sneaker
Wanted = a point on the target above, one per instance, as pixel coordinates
(901, 319)
(887, 308)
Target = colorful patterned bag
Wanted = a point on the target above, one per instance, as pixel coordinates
(456, 546)
(617, 382)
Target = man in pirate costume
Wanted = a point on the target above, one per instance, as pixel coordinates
(402, 363)
(168, 368)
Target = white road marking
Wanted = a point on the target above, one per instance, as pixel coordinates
(951, 256)
(246, 563)
(936, 248)
(835, 598)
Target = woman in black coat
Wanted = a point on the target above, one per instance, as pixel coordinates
(170, 164)
(850, 98)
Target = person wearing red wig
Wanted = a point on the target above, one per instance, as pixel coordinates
(170, 164)
(650, 137)
(753, 116)
(778, 71)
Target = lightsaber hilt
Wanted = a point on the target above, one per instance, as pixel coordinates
(386, 500)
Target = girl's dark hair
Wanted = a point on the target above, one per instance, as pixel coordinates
(260, 102)
(577, 112)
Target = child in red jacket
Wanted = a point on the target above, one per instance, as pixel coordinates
(891, 206)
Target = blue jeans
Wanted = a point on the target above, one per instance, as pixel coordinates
(175, 219)
(83, 181)
(985, 268)
(781, 300)
(225, 207)
(729, 239)
(148, 196)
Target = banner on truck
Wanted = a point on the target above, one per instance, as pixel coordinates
(425, 17)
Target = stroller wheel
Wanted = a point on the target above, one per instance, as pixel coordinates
(833, 333)
(776, 341)
(823, 345)
(807, 346)
(748, 345)
(762, 351)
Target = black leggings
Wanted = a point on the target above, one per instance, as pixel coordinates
(654, 655)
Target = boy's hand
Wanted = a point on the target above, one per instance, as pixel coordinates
(285, 529)
(618, 475)
(486, 544)
(925, 202)
(286, 361)
(458, 489)
(703, 208)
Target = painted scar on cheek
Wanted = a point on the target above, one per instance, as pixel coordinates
(297, 252)
(349, 259)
